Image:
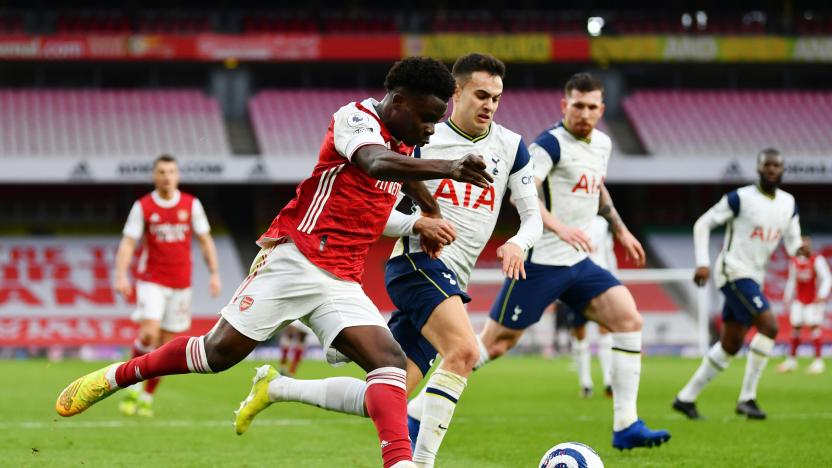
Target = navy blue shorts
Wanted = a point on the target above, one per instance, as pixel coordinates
(572, 319)
(417, 284)
(744, 300)
(521, 303)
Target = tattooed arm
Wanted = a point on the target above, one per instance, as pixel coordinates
(631, 245)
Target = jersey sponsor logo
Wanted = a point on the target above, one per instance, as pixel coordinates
(447, 190)
(390, 187)
(167, 232)
(245, 303)
(766, 234)
(590, 185)
(526, 180)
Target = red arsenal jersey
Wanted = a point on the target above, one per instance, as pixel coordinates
(339, 211)
(805, 278)
(166, 227)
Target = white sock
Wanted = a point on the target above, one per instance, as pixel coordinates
(758, 352)
(484, 357)
(341, 394)
(714, 362)
(442, 392)
(605, 357)
(626, 373)
(580, 352)
(416, 405)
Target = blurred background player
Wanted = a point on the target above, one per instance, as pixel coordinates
(757, 217)
(165, 220)
(430, 292)
(807, 289)
(292, 343)
(570, 164)
(602, 253)
(311, 264)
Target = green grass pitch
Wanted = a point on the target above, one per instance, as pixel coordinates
(511, 413)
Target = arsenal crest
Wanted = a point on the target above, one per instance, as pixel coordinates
(182, 215)
(245, 303)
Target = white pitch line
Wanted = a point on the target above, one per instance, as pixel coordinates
(117, 423)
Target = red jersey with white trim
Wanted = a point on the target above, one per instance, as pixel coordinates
(806, 277)
(166, 227)
(339, 211)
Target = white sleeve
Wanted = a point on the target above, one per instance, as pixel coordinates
(353, 128)
(400, 224)
(521, 182)
(824, 275)
(134, 227)
(541, 161)
(788, 291)
(791, 240)
(199, 221)
(531, 224)
(716, 216)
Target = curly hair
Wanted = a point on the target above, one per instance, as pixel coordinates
(422, 75)
(474, 62)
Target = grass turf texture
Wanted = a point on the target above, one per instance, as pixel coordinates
(511, 413)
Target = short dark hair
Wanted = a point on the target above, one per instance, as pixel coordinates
(767, 152)
(164, 158)
(474, 62)
(422, 75)
(583, 82)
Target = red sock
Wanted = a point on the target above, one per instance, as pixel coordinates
(818, 346)
(151, 384)
(297, 354)
(386, 400)
(795, 344)
(182, 355)
(284, 355)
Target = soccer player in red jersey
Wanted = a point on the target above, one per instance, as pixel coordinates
(165, 220)
(807, 290)
(313, 258)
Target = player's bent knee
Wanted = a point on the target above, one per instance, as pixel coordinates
(462, 357)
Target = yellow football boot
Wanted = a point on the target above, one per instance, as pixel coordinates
(85, 392)
(257, 400)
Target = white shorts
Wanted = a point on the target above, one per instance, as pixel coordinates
(806, 314)
(285, 286)
(170, 307)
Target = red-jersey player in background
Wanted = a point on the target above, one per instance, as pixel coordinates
(165, 220)
(313, 258)
(807, 289)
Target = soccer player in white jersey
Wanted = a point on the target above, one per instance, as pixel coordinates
(429, 292)
(807, 290)
(602, 253)
(757, 217)
(570, 163)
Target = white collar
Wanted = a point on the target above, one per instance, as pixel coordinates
(166, 203)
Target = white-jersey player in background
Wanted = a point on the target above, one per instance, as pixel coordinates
(604, 256)
(430, 292)
(756, 217)
(807, 290)
(570, 164)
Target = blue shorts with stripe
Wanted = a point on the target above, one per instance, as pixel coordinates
(521, 303)
(417, 284)
(744, 300)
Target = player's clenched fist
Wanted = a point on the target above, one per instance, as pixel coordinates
(471, 169)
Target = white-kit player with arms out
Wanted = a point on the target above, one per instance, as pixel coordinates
(757, 217)
(430, 292)
(570, 164)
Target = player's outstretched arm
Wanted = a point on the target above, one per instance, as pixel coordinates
(631, 245)
(383, 164)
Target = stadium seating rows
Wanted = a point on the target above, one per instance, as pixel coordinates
(104, 124)
(719, 123)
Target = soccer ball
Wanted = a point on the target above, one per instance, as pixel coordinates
(571, 455)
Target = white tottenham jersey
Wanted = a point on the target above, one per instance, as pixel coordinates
(572, 171)
(755, 223)
(601, 237)
(472, 210)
